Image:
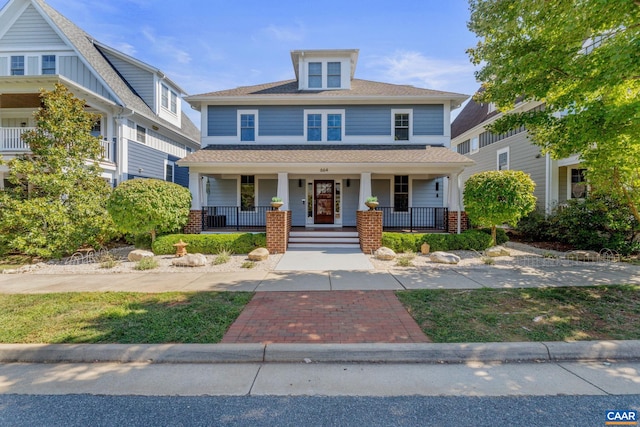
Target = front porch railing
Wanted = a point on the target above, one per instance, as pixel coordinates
(233, 217)
(414, 219)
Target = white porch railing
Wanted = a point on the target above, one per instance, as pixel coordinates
(11, 141)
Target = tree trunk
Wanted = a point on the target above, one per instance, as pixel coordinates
(494, 242)
(153, 236)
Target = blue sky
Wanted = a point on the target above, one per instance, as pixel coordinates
(209, 45)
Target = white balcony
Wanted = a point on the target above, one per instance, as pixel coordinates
(11, 142)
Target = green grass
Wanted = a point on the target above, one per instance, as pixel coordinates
(507, 315)
(119, 317)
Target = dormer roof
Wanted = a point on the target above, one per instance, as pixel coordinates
(352, 54)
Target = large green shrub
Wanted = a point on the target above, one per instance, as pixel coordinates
(56, 198)
(141, 206)
(494, 198)
(477, 240)
(237, 243)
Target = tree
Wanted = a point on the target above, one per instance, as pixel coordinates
(56, 200)
(152, 206)
(498, 197)
(581, 58)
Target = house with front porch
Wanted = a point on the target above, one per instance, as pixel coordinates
(142, 127)
(324, 142)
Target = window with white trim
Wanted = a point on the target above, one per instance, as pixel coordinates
(247, 125)
(141, 134)
(169, 171)
(401, 122)
(578, 184)
(315, 75)
(169, 99)
(334, 77)
(401, 193)
(17, 65)
(503, 159)
(48, 64)
(324, 125)
(474, 145)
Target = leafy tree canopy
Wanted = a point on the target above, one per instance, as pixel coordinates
(152, 206)
(581, 58)
(493, 198)
(56, 200)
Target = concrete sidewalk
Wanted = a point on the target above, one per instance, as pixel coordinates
(441, 277)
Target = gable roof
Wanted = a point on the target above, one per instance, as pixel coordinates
(471, 116)
(90, 53)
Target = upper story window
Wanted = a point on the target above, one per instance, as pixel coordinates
(17, 65)
(401, 124)
(503, 159)
(141, 134)
(334, 77)
(169, 174)
(48, 64)
(324, 125)
(247, 124)
(169, 99)
(315, 75)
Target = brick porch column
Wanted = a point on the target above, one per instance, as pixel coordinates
(369, 225)
(452, 222)
(278, 227)
(194, 224)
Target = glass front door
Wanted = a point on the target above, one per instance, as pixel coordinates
(323, 201)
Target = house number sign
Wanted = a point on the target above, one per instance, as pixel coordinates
(324, 169)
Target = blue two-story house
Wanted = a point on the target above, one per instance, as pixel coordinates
(324, 142)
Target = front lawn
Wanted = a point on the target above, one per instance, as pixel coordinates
(119, 317)
(509, 315)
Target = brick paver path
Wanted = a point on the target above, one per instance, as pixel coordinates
(324, 317)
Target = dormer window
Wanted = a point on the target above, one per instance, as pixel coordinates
(315, 75)
(169, 99)
(334, 77)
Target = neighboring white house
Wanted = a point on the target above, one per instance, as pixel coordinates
(324, 142)
(556, 180)
(142, 126)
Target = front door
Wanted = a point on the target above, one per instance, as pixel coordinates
(323, 192)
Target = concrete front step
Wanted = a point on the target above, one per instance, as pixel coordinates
(323, 239)
(324, 245)
(323, 234)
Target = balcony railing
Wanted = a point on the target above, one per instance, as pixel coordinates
(414, 219)
(233, 217)
(11, 141)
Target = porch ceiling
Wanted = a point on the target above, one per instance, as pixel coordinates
(333, 158)
(20, 100)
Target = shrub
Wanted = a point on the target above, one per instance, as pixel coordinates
(237, 243)
(146, 264)
(477, 240)
(538, 227)
(248, 264)
(222, 258)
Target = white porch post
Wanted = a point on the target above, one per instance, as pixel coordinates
(454, 201)
(283, 189)
(195, 186)
(365, 190)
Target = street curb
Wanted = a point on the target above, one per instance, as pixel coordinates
(322, 353)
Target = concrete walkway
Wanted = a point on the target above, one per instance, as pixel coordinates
(323, 259)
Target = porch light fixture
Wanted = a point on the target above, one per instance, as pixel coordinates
(300, 183)
(348, 182)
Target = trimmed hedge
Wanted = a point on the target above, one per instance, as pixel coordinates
(477, 240)
(237, 243)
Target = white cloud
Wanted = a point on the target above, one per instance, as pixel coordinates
(286, 34)
(166, 46)
(408, 67)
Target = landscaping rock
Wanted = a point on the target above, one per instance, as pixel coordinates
(190, 260)
(425, 248)
(497, 251)
(582, 256)
(384, 253)
(259, 254)
(138, 254)
(444, 258)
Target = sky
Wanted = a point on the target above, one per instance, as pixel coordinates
(210, 45)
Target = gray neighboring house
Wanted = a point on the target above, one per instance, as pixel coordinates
(323, 142)
(556, 180)
(142, 127)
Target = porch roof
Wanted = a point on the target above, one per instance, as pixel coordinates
(223, 155)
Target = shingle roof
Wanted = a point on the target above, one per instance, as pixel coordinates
(358, 88)
(471, 116)
(83, 43)
(379, 154)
